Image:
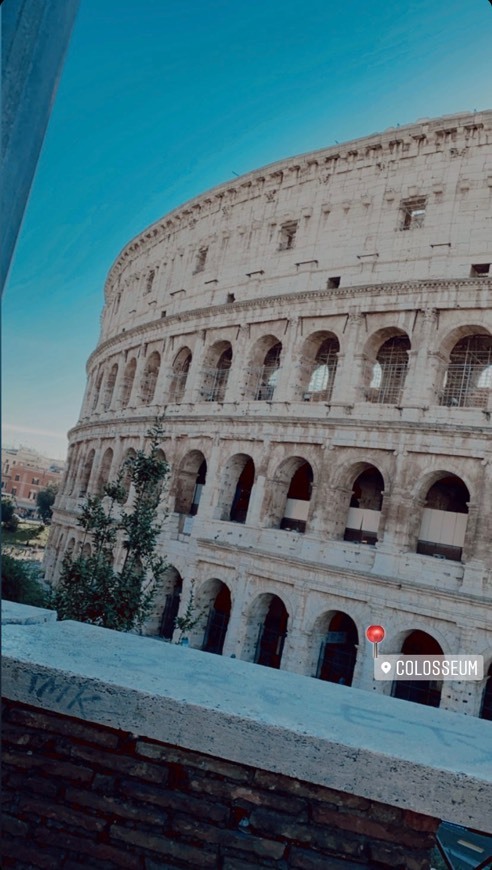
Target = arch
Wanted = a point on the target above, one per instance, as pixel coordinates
(268, 620)
(444, 518)
(109, 387)
(486, 706)
(290, 496)
(338, 649)
(70, 548)
(468, 377)
(262, 372)
(215, 598)
(365, 507)
(318, 366)
(86, 472)
(97, 390)
(215, 372)
(427, 692)
(180, 369)
(387, 351)
(104, 470)
(128, 379)
(173, 586)
(191, 478)
(149, 377)
(87, 550)
(237, 484)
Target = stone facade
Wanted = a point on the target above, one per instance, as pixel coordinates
(318, 336)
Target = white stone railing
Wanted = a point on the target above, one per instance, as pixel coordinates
(427, 760)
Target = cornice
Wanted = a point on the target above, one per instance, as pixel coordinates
(239, 419)
(210, 312)
(393, 144)
(381, 580)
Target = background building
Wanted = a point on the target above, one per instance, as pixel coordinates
(25, 473)
(319, 335)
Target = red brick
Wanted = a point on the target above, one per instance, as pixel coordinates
(171, 754)
(418, 822)
(195, 857)
(196, 831)
(40, 785)
(84, 846)
(384, 813)
(65, 725)
(62, 814)
(18, 851)
(305, 859)
(111, 806)
(14, 826)
(283, 803)
(178, 801)
(120, 764)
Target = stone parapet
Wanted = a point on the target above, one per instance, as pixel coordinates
(415, 759)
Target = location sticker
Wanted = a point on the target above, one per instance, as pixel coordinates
(375, 634)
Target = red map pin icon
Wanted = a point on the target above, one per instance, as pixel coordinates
(375, 634)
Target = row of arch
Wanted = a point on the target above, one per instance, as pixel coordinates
(334, 647)
(465, 378)
(441, 501)
(443, 520)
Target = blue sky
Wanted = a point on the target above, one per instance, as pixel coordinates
(162, 99)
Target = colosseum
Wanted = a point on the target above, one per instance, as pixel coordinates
(318, 336)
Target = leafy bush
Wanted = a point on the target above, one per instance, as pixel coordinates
(19, 583)
(89, 589)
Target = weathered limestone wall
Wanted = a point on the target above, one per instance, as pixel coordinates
(389, 238)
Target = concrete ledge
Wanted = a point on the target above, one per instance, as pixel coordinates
(430, 761)
(24, 614)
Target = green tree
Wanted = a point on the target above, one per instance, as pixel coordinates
(19, 583)
(9, 519)
(44, 501)
(90, 589)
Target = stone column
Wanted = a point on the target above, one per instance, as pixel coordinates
(348, 385)
(284, 391)
(425, 364)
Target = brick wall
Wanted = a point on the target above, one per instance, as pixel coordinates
(79, 795)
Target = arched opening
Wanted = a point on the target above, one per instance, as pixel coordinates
(173, 586)
(191, 479)
(87, 550)
(364, 513)
(238, 483)
(109, 388)
(421, 691)
(181, 367)
(86, 473)
(389, 371)
(149, 379)
(272, 632)
(127, 385)
(320, 372)
(338, 650)
(486, 708)
(104, 470)
(97, 390)
(216, 372)
(444, 519)
(267, 375)
(468, 378)
(297, 500)
(218, 619)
